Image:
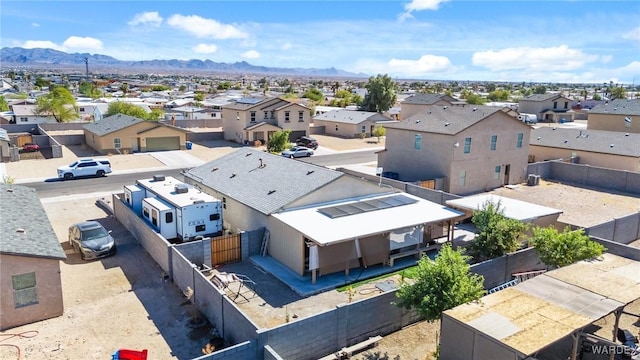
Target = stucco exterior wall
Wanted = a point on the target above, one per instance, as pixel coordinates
(537, 107)
(286, 245)
(48, 289)
(234, 122)
(613, 122)
(542, 153)
(294, 124)
(131, 138)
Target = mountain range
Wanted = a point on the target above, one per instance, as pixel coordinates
(51, 59)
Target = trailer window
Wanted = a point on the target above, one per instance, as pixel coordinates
(154, 217)
(200, 228)
(214, 217)
(145, 212)
(168, 218)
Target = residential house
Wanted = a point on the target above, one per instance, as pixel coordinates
(473, 148)
(123, 133)
(30, 254)
(608, 149)
(5, 144)
(549, 107)
(26, 114)
(617, 115)
(349, 123)
(419, 102)
(320, 220)
(92, 111)
(256, 118)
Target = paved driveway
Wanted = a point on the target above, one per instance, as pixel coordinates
(177, 158)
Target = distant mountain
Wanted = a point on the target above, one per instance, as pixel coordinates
(54, 58)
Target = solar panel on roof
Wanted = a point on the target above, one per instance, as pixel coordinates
(364, 206)
(248, 101)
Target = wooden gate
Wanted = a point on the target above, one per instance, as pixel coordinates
(225, 249)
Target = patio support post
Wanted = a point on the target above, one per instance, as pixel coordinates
(313, 276)
(574, 351)
(618, 312)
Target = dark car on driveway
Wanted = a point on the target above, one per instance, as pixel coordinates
(307, 142)
(91, 240)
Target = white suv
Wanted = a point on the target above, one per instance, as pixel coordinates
(85, 167)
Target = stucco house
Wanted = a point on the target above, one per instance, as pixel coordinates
(417, 103)
(30, 254)
(256, 118)
(473, 148)
(320, 220)
(349, 123)
(617, 115)
(547, 107)
(26, 114)
(123, 133)
(608, 149)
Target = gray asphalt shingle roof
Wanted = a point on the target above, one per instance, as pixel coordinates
(542, 97)
(626, 144)
(445, 119)
(21, 209)
(111, 124)
(266, 188)
(618, 106)
(427, 99)
(350, 116)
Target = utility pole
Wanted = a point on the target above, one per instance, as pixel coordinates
(86, 66)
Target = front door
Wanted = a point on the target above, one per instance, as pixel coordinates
(507, 168)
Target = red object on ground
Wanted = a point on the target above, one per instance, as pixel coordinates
(125, 354)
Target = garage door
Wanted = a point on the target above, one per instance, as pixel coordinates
(163, 143)
(294, 135)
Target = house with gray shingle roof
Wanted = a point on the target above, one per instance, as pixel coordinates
(608, 149)
(548, 107)
(421, 101)
(458, 149)
(126, 134)
(617, 115)
(311, 210)
(30, 255)
(349, 123)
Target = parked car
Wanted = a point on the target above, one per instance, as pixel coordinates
(30, 147)
(85, 167)
(307, 142)
(297, 151)
(91, 240)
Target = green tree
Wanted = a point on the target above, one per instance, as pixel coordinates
(59, 103)
(596, 97)
(314, 94)
(499, 95)
(121, 107)
(618, 93)
(381, 94)
(124, 88)
(540, 89)
(278, 141)
(89, 89)
(441, 284)
(42, 83)
(475, 99)
(198, 97)
(4, 106)
(378, 131)
(156, 114)
(558, 249)
(182, 88)
(497, 235)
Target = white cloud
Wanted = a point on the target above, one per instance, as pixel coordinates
(205, 48)
(251, 54)
(82, 43)
(44, 44)
(205, 28)
(419, 5)
(426, 64)
(633, 34)
(559, 58)
(149, 18)
(35, 25)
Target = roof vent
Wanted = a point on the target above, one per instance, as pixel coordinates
(612, 145)
(418, 121)
(199, 201)
(158, 177)
(626, 134)
(310, 172)
(474, 109)
(444, 107)
(271, 192)
(539, 138)
(446, 124)
(247, 154)
(11, 190)
(181, 189)
(566, 141)
(232, 176)
(214, 169)
(21, 231)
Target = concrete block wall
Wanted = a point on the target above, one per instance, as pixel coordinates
(254, 241)
(71, 139)
(270, 354)
(155, 245)
(182, 270)
(204, 136)
(622, 230)
(244, 351)
(586, 175)
(194, 250)
(500, 270)
(615, 248)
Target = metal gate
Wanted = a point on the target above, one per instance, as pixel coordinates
(225, 249)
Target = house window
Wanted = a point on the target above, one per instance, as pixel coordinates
(116, 143)
(494, 142)
(519, 141)
(496, 172)
(467, 145)
(168, 218)
(555, 104)
(23, 119)
(286, 116)
(300, 116)
(566, 104)
(154, 217)
(273, 114)
(266, 114)
(81, 109)
(462, 178)
(145, 212)
(24, 290)
(363, 129)
(253, 116)
(417, 141)
(336, 127)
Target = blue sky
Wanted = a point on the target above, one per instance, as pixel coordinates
(541, 41)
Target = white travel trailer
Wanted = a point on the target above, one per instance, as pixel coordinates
(528, 118)
(133, 196)
(161, 216)
(197, 213)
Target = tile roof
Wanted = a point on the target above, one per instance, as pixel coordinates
(350, 116)
(626, 144)
(111, 124)
(21, 209)
(618, 106)
(427, 99)
(445, 119)
(277, 183)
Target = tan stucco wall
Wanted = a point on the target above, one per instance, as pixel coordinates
(48, 288)
(129, 137)
(344, 130)
(613, 122)
(542, 153)
(286, 245)
(234, 122)
(294, 124)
